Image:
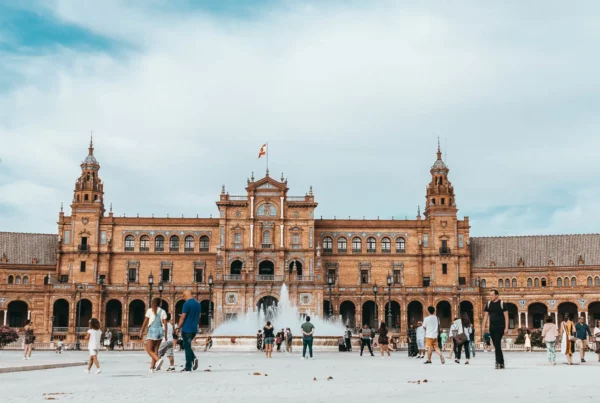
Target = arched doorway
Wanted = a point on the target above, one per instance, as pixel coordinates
(236, 268)
(395, 315)
(137, 311)
(114, 312)
(295, 267)
(326, 306)
(369, 314)
(415, 313)
(266, 268)
(204, 317)
(594, 315)
(513, 315)
(567, 308)
(348, 313)
(17, 314)
(443, 311)
(267, 306)
(467, 306)
(537, 312)
(84, 306)
(164, 305)
(178, 310)
(60, 311)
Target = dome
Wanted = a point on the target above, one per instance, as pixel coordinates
(90, 159)
(439, 164)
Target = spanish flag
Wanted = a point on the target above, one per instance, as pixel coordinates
(263, 150)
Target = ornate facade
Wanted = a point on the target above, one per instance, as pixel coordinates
(99, 265)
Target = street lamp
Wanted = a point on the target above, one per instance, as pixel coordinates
(330, 284)
(375, 289)
(52, 329)
(161, 288)
(150, 283)
(210, 312)
(77, 343)
(389, 282)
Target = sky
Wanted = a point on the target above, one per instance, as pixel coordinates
(351, 97)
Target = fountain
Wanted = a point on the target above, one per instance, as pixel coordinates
(240, 333)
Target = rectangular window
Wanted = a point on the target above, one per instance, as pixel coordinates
(132, 275)
(364, 276)
(397, 277)
(199, 276)
(102, 279)
(462, 281)
(102, 237)
(295, 239)
(166, 275)
(67, 239)
(426, 281)
(64, 278)
(82, 267)
(461, 240)
(444, 268)
(426, 240)
(237, 238)
(332, 273)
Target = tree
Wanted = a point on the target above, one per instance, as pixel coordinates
(7, 336)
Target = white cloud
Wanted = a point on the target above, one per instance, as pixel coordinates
(350, 98)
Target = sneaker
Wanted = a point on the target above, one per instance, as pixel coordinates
(185, 370)
(171, 369)
(442, 359)
(158, 364)
(497, 366)
(195, 364)
(302, 358)
(151, 370)
(427, 362)
(98, 371)
(501, 366)
(87, 371)
(582, 360)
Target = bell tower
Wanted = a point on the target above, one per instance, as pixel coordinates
(440, 192)
(89, 190)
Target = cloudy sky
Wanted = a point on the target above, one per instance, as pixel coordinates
(350, 95)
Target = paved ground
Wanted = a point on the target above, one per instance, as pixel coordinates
(231, 378)
(11, 360)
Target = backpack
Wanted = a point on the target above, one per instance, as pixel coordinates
(501, 305)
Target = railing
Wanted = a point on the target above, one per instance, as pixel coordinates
(61, 329)
(159, 249)
(296, 198)
(82, 329)
(115, 287)
(356, 250)
(134, 329)
(400, 250)
(144, 249)
(83, 248)
(204, 249)
(444, 251)
(296, 246)
(129, 249)
(443, 289)
(264, 277)
(371, 250)
(188, 250)
(386, 251)
(342, 250)
(174, 249)
(306, 278)
(232, 277)
(238, 198)
(267, 245)
(61, 286)
(327, 250)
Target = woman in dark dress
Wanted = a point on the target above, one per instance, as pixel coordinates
(413, 348)
(29, 339)
(383, 339)
(259, 340)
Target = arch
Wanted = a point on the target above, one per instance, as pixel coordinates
(164, 305)
(189, 243)
(567, 282)
(298, 264)
(348, 313)
(590, 281)
(483, 283)
(204, 319)
(371, 244)
(137, 312)
(159, 243)
(129, 243)
(18, 280)
(370, 314)
(266, 209)
(178, 310)
(357, 244)
(529, 283)
(204, 243)
(559, 282)
(569, 308)
(327, 244)
(573, 281)
(174, 243)
(514, 283)
(144, 243)
(395, 315)
(268, 305)
(235, 268)
(414, 312)
(536, 313)
(11, 279)
(594, 314)
(386, 245)
(544, 282)
(17, 313)
(500, 283)
(326, 305)
(400, 245)
(60, 311)
(86, 308)
(597, 281)
(25, 280)
(507, 283)
(266, 268)
(443, 311)
(114, 313)
(536, 282)
(467, 306)
(513, 315)
(342, 244)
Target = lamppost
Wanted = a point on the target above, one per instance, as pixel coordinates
(389, 282)
(150, 283)
(52, 329)
(330, 284)
(375, 289)
(161, 288)
(77, 343)
(210, 312)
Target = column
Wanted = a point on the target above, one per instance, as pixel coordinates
(251, 207)
(5, 316)
(252, 232)
(585, 315)
(520, 319)
(28, 315)
(281, 198)
(281, 235)
(526, 320)
(556, 318)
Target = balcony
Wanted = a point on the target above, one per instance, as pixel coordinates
(83, 248)
(134, 329)
(188, 250)
(82, 329)
(400, 250)
(327, 250)
(445, 251)
(371, 250)
(144, 249)
(61, 329)
(342, 250)
(356, 250)
(174, 249)
(203, 248)
(306, 278)
(129, 249)
(232, 277)
(159, 249)
(386, 251)
(266, 246)
(265, 277)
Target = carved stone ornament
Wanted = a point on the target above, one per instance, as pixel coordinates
(85, 220)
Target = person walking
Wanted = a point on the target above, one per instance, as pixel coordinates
(597, 335)
(413, 349)
(188, 326)
(420, 339)
(383, 340)
(582, 333)
(120, 339)
(527, 341)
(289, 339)
(472, 340)
(29, 340)
(308, 330)
(156, 324)
(431, 324)
(107, 338)
(208, 344)
(259, 340)
(444, 339)
(487, 346)
(365, 338)
(550, 333)
(93, 336)
(269, 336)
(461, 340)
(279, 339)
(496, 315)
(166, 346)
(567, 344)
(348, 338)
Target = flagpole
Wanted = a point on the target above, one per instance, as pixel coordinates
(267, 158)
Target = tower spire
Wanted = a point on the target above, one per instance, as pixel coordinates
(439, 151)
(91, 149)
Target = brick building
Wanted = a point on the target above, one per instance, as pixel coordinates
(99, 265)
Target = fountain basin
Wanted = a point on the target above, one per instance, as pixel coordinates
(248, 343)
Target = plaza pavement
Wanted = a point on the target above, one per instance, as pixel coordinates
(287, 378)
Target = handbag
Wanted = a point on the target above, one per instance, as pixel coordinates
(461, 337)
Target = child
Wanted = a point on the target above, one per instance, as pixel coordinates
(59, 347)
(488, 342)
(166, 347)
(208, 344)
(94, 334)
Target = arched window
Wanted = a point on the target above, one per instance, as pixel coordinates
(159, 243)
(500, 283)
(590, 281)
(129, 243)
(204, 243)
(356, 245)
(18, 280)
(266, 242)
(536, 282)
(529, 283)
(266, 210)
(483, 283)
(342, 245)
(327, 244)
(371, 245)
(559, 282)
(25, 280)
(386, 245)
(145, 243)
(11, 279)
(573, 282)
(188, 244)
(514, 283)
(400, 245)
(567, 282)
(543, 282)
(174, 244)
(597, 280)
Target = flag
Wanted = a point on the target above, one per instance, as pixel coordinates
(263, 151)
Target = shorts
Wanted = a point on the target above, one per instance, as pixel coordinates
(421, 344)
(165, 349)
(93, 352)
(268, 340)
(155, 333)
(430, 342)
(581, 344)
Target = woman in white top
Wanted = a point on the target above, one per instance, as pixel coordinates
(156, 322)
(94, 334)
(597, 335)
(527, 342)
(461, 338)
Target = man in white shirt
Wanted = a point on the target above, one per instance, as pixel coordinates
(431, 324)
(420, 340)
(166, 347)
